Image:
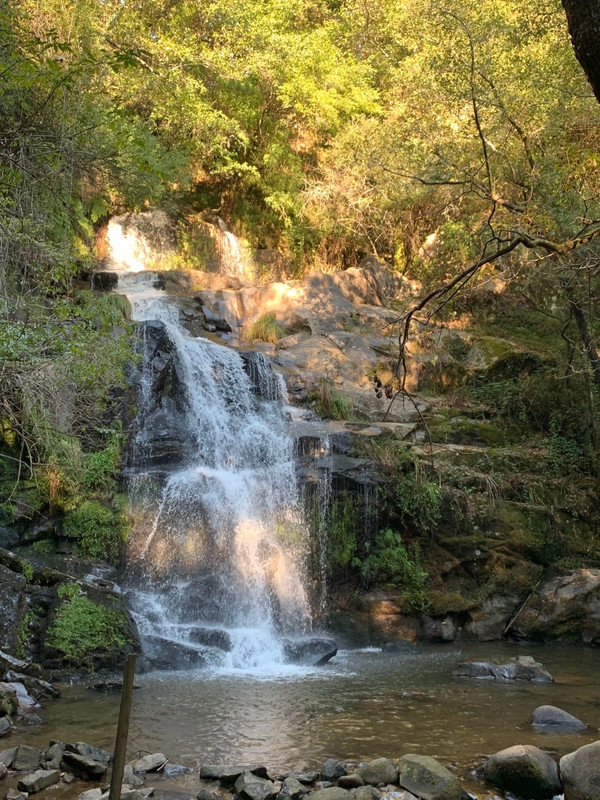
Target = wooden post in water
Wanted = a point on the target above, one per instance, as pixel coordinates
(120, 755)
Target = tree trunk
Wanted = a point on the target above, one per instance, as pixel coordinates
(583, 17)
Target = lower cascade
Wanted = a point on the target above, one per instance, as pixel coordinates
(216, 554)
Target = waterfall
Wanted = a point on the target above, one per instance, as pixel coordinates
(216, 550)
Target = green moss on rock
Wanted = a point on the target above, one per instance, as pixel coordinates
(85, 633)
(98, 530)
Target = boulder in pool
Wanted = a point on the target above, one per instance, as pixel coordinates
(150, 763)
(293, 789)
(211, 637)
(553, 719)
(379, 771)
(312, 652)
(426, 778)
(524, 770)
(332, 770)
(250, 787)
(166, 654)
(580, 773)
(522, 668)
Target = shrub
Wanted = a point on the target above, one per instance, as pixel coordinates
(389, 561)
(266, 329)
(82, 628)
(98, 530)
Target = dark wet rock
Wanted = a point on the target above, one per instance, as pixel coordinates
(352, 781)
(309, 652)
(26, 758)
(38, 780)
(167, 655)
(401, 647)
(580, 773)
(36, 687)
(306, 777)
(428, 779)
(332, 770)
(379, 771)
(89, 751)
(52, 757)
(83, 767)
(555, 719)
(293, 789)
(105, 281)
(525, 770)
(229, 773)
(3, 771)
(150, 763)
(130, 777)
(438, 629)
(8, 662)
(5, 727)
(211, 637)
(214, 319)
(7, 757)
(250, 787)
(523, 668)
(331, 793)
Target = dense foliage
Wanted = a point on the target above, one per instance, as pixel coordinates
(436, 138)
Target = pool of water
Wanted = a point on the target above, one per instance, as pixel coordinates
(363, 704)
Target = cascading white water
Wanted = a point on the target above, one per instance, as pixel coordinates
(216, 539)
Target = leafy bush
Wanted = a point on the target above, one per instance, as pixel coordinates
(98, 530)
(417, 502)
(388, 561)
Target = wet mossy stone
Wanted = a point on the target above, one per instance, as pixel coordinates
(427, 778)
(524, 770)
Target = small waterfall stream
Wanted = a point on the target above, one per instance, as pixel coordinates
(216, 550)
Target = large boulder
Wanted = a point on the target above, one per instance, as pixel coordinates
(211, 637)
(426, 778)
(524, 770)
(150, 763)
(488, 622)
(553, 719)
(250, 787)
(26, 758)
(166, 654)
(580, 773)
(378, 771)
(314, 651)
(38, 780)
(565, 608)
(332, 770)
(522, 668)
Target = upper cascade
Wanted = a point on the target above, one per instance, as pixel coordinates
(151, 240)
(216, 550)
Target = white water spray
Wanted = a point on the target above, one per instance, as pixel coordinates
(217, 537)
